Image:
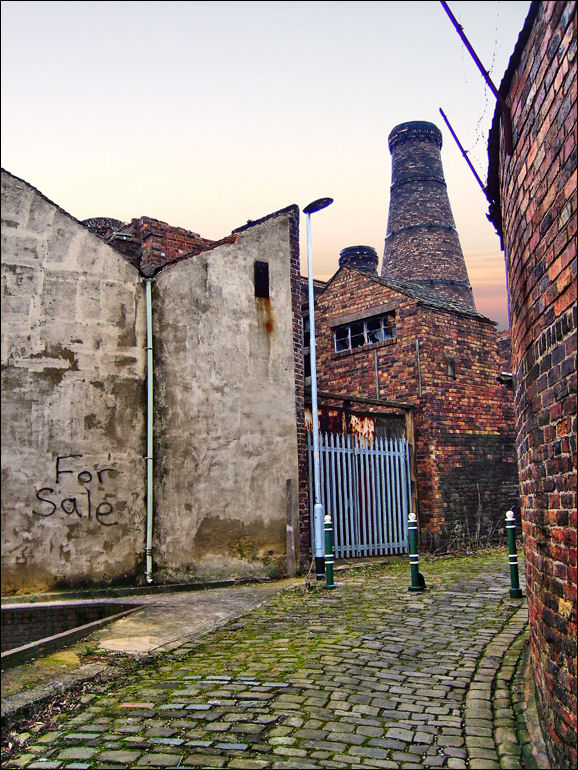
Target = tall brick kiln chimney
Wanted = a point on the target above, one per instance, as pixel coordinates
(362, 258)
(422, 243)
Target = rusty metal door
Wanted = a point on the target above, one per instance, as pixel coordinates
(365, 485)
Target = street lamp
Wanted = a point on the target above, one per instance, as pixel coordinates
(322, 549)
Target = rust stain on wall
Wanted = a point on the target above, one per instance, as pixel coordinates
(265, 314)
(362, 427)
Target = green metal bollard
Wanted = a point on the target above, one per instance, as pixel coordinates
(515, 590)
(417, 579)
(328, 527)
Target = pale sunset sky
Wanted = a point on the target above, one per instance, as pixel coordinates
(208, 114)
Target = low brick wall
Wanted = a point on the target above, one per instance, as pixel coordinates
(22, 625)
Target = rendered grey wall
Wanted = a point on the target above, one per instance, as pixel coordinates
(73, 420)
(225, 418)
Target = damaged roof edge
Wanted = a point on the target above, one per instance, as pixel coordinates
(493, 182)
(292, 209)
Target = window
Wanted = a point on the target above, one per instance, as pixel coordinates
(365, 332)
(451, 368)
(261, 279)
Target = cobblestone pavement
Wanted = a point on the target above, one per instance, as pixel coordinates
(367, 675)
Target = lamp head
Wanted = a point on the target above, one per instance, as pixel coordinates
(317, 205)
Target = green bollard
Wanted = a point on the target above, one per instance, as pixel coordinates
(328, 527)
(515, 590)
(417, 579)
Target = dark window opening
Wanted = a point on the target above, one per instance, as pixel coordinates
(451, 368)
(261, 279)
(306, 347)
(365, 332)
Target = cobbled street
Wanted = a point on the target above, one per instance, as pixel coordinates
(368, 675)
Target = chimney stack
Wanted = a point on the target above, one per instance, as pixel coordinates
(362, 258)
(422, 244)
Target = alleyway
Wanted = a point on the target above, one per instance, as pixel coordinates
(368, 675)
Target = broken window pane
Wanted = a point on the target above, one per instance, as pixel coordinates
(374, 330)
(342, 338)
(357, 334)
(366, 332)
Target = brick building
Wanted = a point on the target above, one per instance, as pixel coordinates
(533, 192)
(406, 353)
(432, 377)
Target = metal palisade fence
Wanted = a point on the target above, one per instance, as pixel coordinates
(365, 486)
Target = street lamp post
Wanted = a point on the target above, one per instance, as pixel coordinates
(318, 520)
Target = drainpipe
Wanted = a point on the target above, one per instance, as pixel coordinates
(418, 368)
(149, 456)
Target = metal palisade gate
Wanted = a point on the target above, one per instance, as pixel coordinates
(365, 486)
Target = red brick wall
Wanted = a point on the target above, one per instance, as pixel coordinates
(464, 427)
(505, 351)
(149, 243)
(161, 243)
(537, 187)
(296, 294)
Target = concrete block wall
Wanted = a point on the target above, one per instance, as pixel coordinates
(229, 417)
(536, 190)
(226, 439)
(73, 429)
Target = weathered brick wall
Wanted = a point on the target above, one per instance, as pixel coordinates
(505, 351)
(464, 428)
(23, 624)
(162, 243)
(149, 243)
(302, 536)
(537, 189)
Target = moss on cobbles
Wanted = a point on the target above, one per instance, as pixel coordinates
(313, 678)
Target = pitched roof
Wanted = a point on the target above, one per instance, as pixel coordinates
(422, 294)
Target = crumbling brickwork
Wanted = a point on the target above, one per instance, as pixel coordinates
(534, 209)
(505, 351)
(151, 244)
